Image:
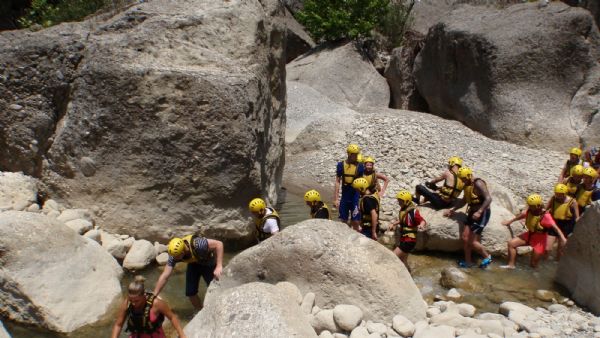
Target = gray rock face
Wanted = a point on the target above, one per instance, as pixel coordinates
(52, 277)
(17, 191)
(335, 263)
(175, 110)
(297, 39)
(249, 310)
(503, 71)
(342, 73)
(578, 268)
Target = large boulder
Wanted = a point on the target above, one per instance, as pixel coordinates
(503, 71)
(579, 268)
(164, 116)
(297, 39)
(343, 73)
(250, 310)
(336, 263)
(17, 191)
(52, 277)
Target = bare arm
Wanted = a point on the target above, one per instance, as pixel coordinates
(374, 222)
(514, 219)
(385, 180)
(461, 203)
(440, 178)
(336, 193)
(575, 210)
(162, 280)
(559, 232)
(164, 308)
(561, 177)
(217, 247)
(120, 320)
(487, 198)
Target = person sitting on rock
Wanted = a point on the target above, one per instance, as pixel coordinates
(346, 172)
(586, 188)
(318, 209)
(144, 313)
(369, 208)
(563, 209)
(538, 221)
(574, 180)
(574, 159)
(592, 156)
(204, 258)
(406, 227)
(451, 189)
(266, 219)
(373, 177)
(478, 198)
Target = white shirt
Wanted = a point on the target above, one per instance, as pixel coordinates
(270, 224)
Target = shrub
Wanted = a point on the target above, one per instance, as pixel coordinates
(46, 13)
(395, 22)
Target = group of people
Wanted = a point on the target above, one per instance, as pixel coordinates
(357, 196)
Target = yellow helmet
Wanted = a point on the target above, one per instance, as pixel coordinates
(176, 246)
(575, 151)
(370, 159)
(353, 149)
(577, 170)
(404, 195)
(465, 172)
(534, 200)
(312, 196)
(455, 160)
(561, 189)
(591, 172)
(257, 205)
(359, 158)
(360, 184)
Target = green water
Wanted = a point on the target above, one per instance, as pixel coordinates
(492, 286)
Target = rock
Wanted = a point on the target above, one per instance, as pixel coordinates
(453, 277)
(291, 290)
(140, 255)
(359, 332)
(378, 328)
(162, 258)
(339, 335)
(36, 296)
(433, 311)
(240, 311)
(522, 315)
(128, 243)
(80, 226)
(442, 331)
(17, 191)
(464, 324)
(152, 168)
(403, 326)
(87, 166)
(323, 320)
(93, 235)
(557, 308)
(544, 295)
(314, 310)
(51, 205)
(466, 310)
(160, 248)
(579, 267)
(342, 73)
(347, 317)
(113, 245)
(33, 208)
(332, 261)
(297, 39)
(325, 334)
(453, 294)
(3, 332)
(73, 214)
(307, 303)
(499, 63)
(53, 214)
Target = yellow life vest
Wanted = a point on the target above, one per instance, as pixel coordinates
(189, 242)
(350, 173)
(372, 180)
(583, 196)
(571, 186)
(366, 217)
(407, 230)
(562, 211)
(470, 196)
(260, 223)
(322, 207)
(450, 192)
(533, 223)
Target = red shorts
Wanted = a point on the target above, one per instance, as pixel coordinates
(537, 241)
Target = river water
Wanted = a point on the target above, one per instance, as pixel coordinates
(492, 286)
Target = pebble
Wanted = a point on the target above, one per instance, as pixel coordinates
(453, 294)
(15, 106)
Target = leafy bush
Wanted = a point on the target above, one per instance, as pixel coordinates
(47, 13)
(395, 22)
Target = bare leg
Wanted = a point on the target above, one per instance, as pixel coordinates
(403, 257)
(477, 246)
(195, 300)
(535, 259)
(467, 237)
(513, 244)
(355, 225)
(549, 245)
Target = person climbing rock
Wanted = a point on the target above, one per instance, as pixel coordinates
(204, 258)
(478, 200)
(586, 188)
(565, 212)
(318, 209)
(406, 227)
(373, 177)
(144, 313)
(445, 195)
(537, 221)
(574, 180)
(346, 172)
(369, 206)
(266, 219)
(574, 159)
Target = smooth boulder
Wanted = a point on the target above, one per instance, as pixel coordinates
(140, 255)
(336, 263)
(52, 277)
(17, 191)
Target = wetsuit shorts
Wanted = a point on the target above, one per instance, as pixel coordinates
(193, 274)
(406, 246)
(566, 226)
(434, 198)
(478, 226)
(349, 209)
(537, 241)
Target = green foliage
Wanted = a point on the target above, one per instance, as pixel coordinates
(331, 20)
(395, 22)
(45, 13)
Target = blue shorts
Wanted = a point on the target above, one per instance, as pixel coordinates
(478, 226)
(193, 274)
(349, 208)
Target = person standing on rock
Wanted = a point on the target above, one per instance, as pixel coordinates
(538, 221)
(586, 188)
(373, 177)
(408, 224)
(144, 313)
(346, 172)
(574, 180)
(478, 200)
(266, 219)
(445, 195)
(369, 206)
(204, 258)
(574, 159)
(565, 212)
(318, 209)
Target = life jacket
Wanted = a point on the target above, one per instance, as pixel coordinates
(194, 257)
(139, 322)
(407, 229)
(350, 173)
(323, 206)
(533, 223)
(450, 192)
(562, 211)
(366, 217)
(260, 224)
(571, 186)
(470, 196)
(584, 196)
(372, 180)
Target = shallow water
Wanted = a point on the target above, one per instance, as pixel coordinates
(493, 285)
